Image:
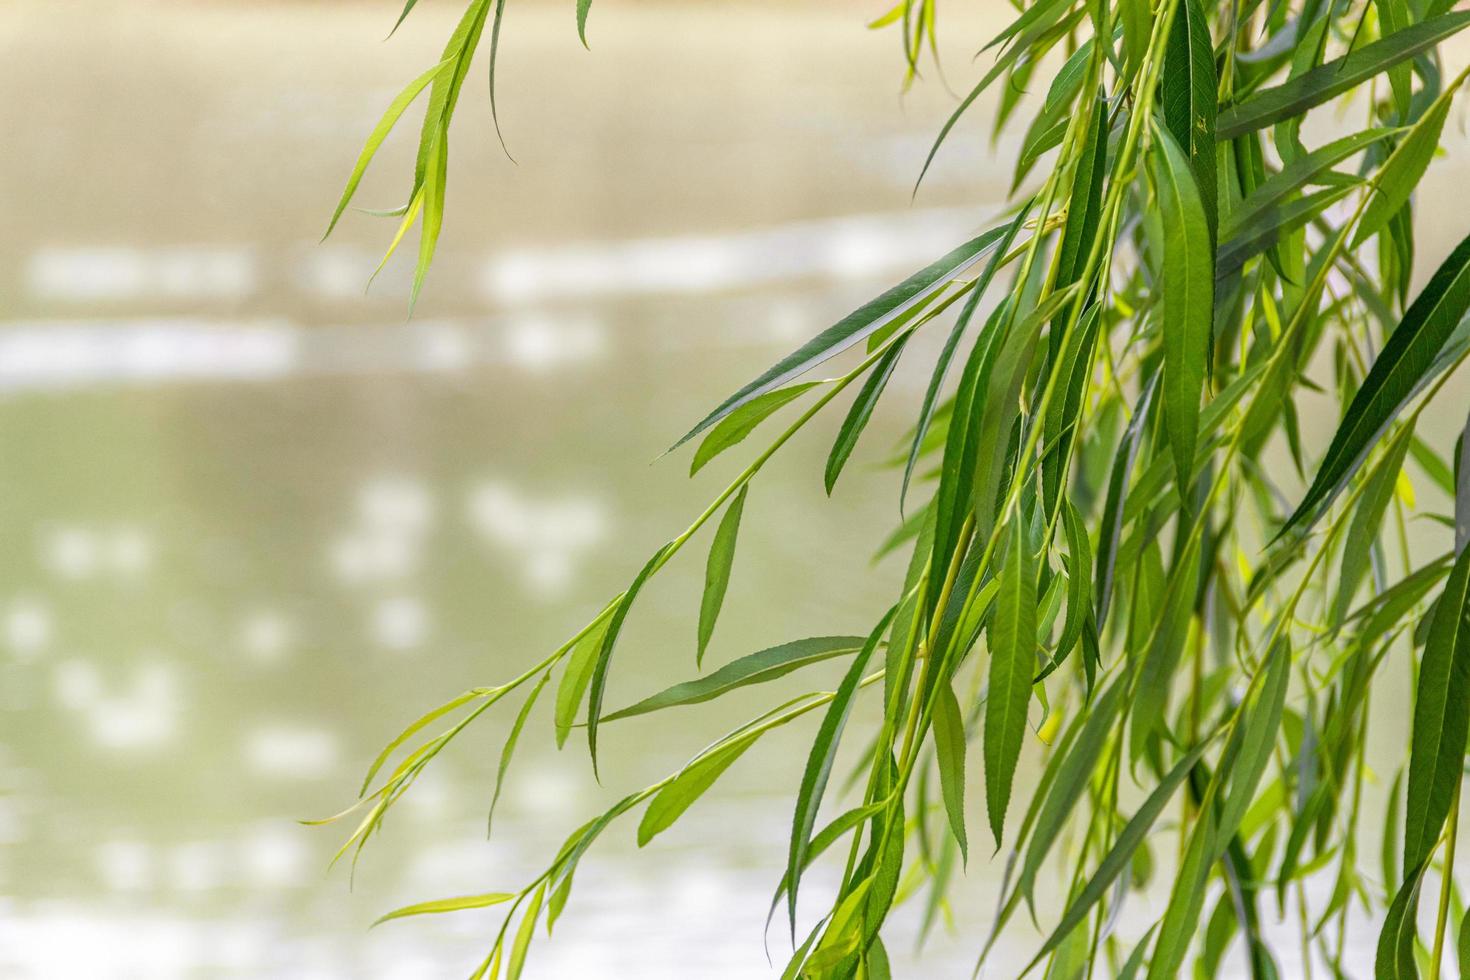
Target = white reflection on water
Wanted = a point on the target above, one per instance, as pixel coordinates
(27, 628)
(401, 623)
(140, 711)
(291, 751)
(841, 248)
(546, 534)
(126, 273)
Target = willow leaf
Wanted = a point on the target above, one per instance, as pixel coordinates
(422, 722)
(1406, 362)
(1273, 193)
(857, 325)
(1393, 184)
(1186, 899)
(1012, 662)
(575, 678)
(609, 641)
(1121, 853)
(583, 7)
(699, 775)
(1110, 528)
(1327, 81)
(1071, 782)
(1188, 292)
(1257, 742)
(510, 745)
(946, 354)
(1187, 98)
(819, 766)
(525, 934)
(1267, 227)
(949, 751)
(755, 668)
(1437, 745)
(743, 421)
(860, 412)
(385, 125)
(1363, 531)
(447, 905)
(717, 571)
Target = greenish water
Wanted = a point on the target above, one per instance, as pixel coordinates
(254, 520)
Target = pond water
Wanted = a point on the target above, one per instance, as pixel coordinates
(255, 519)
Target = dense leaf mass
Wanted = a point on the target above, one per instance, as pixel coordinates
(1138, 574)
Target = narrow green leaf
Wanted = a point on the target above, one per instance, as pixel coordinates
(819, 765)
(1187, 98)
(1401, 173)
(1363, 531)
(1188, 292)
(949, 751)
(1257, 743)
(423, 721)
(671, 801)
(380, 132)
(1266, 228)
(860, 412)
(1012, 662)
(755, 668)
(1071, 782)
(1464, 946)
(575, 678)
(742, 422)
(1437, 746)
(1110, 529)
(605, 649)
(524, 934)
(1186, 899)
(1273, 193)
(1312, 88)
(1406, 362)
(946, 354)
(447, 905)
(857, 325)
(583, 6)
(1121, 854)
(510, 746)
(717, 571)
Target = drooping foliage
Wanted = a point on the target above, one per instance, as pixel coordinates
(1146, 600)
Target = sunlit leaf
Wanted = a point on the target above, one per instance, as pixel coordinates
(717, 571)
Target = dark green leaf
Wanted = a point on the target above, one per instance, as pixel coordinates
(1401, 173)
(949, 750)
(1012, 663)
(605, 649)
(1437, 746)
(1187, 98)
(1327, 81)
(742, 422)
(1405, 363)
(861, 411)
(1188, 291)
(819, 765)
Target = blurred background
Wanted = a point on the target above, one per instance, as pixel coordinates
(254, 519)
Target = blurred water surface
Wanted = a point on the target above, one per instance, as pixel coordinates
(254, 519)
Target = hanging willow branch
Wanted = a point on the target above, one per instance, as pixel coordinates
(1108, 545)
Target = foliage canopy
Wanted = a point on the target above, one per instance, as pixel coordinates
(1104, 565)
